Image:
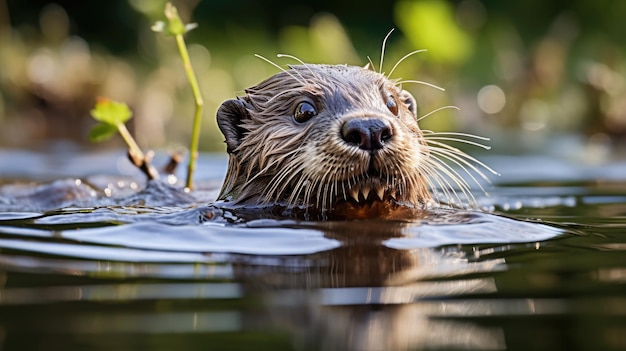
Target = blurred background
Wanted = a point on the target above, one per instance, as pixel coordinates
(534, 76)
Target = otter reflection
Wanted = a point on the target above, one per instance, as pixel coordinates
(365, 295)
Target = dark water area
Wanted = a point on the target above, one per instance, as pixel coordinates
(90, 260)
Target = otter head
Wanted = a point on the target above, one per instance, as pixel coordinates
(333, 138)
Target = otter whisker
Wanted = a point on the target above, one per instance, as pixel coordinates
(314, 189)
(267, 192)
(432, 171)
(412, 184)
(447, 174)
(463, 155)
(278, 66)
(401, 186)
(333, 189)
(404, 58)
(370, 64)
(428, 180)
(302, 63)
(466, 159)
(456, 177)
(295, 59)
(283, 180)
(437, 110)
(267, 167)
(400, 82)
(432, 137)
(462, 164)
(295, 197)
(382, 52)
(343, 188)
(447, 170)
(310, 185)
(324, 192)
(386, 173)
(480, 137)
(321, 194)
(299, 187)
(327, 196)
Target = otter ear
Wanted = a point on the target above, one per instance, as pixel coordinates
(229, 118)
(409, 101)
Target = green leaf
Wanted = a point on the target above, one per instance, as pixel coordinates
(111, 112)
(101, 132)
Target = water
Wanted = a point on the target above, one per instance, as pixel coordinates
(540, 267)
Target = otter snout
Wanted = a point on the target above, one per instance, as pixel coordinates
(368, 134)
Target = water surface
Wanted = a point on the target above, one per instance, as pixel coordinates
(539, 265)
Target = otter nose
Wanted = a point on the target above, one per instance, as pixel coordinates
(367, 133)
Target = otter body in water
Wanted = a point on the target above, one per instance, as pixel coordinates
(329, 142)
(335, 139)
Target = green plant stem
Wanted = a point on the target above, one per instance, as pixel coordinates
(132, 145)
(197, 96)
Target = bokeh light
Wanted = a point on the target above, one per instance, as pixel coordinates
(491, 99)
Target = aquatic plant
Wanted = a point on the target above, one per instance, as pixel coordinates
(174, 26)
(112, 115)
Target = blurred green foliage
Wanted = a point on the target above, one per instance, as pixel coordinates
(521, 71)
(432, 25)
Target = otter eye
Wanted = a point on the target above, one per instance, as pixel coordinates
(304, 112)
(392, 105)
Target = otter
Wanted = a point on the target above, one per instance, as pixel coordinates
(335, 139)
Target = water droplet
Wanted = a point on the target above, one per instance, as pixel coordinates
(172, 179)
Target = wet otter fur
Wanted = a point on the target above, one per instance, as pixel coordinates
(335, 139)
(339, 141)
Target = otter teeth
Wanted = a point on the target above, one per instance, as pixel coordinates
(365, 192)
(362, 193)
(354, 194)
(380, 192)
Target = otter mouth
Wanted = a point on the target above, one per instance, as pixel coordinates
(373, 196)
(369, 190)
